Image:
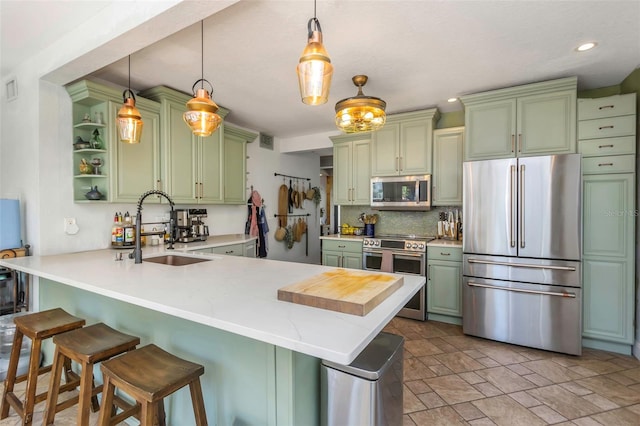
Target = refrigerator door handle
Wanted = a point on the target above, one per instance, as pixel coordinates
(521, 195)
(522, 290)
(512, 208)
(523, 265)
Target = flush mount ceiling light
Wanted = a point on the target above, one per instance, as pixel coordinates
(201, 114)
(314, 69)
(129, 120)
(586, 46)
(360, 113)
(451, 100)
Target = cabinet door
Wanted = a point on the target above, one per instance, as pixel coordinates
(385, 154)
(230, 250)
(361, 191)
(331, 258)
(415, 147)
(351, 260)
(490, 130)
(235, 154)
(181, 149)
(608, 214)
(547, 124)
(342, 173)
(137, 166)
(446, 183)
(211, 168)
(608, 300)
(444, 288)
(250, 249)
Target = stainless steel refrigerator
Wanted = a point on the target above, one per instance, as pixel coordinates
(521, 264)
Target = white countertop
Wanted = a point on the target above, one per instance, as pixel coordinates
(444, 243)
(231, 293)
(342, 237)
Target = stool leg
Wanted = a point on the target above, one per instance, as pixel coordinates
(86, 389)
(148, 414)
(32, 381)
(10, 380)
(108, 390)
(54, 386)
(198, 402)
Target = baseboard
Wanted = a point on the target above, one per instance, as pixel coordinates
(445, 318)
(636, 349)
(620, 348)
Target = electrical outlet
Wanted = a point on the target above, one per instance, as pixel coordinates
(70, 226)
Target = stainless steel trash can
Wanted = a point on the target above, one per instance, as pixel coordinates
(369, 390)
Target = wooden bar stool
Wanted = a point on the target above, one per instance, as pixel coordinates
(149, 374)
(86, 346)
(37, 326)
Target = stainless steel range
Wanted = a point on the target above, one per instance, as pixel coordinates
(400, 254)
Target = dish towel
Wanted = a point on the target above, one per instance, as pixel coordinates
(387, 261)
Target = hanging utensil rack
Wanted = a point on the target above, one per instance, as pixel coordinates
(292, 177)
(292, 215)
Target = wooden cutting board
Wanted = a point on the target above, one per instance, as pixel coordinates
(348, 291)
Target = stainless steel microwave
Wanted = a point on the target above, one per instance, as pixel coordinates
(401, 192)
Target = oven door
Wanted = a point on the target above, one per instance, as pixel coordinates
(407, 264)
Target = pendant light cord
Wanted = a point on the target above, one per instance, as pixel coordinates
(129, 72)
(202, 50)
(314, 9)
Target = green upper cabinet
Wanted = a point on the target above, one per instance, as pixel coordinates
(403, 146)
(136, 167)
(446, 183)
(235, 164)
(534, 119)
(351, 169)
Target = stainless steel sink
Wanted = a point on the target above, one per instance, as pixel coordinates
(175, 260)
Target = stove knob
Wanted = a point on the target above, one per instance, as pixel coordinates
(421, 246)
(414, 246)
(408, 246)
(365, 242)
(377, 243)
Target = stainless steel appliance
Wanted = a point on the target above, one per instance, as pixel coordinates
(521, 263)
(400, 254)
(189, 226)
(401, 192)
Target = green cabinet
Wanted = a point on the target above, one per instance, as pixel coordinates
(351, 169)
(235, 164)
(608, 215)
(247, 249)
(342, 253)
(136, 167)
(444, 284)
(534, 119)
(446, 182)
(404, 145)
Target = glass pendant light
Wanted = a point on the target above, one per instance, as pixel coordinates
(314, 69)
(360, 113)
(129, 120)
(201, 114)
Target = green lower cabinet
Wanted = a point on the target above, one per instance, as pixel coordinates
(608, 261)
(444, 291)
(342, 254)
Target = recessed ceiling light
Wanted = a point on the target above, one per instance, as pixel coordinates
(586, 46)
(452, 99)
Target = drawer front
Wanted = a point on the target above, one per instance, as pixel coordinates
(230, 250)
(607, 127)
(612, 164)
(348, 246)
(607, 146)
(444, 253)
(612, 106)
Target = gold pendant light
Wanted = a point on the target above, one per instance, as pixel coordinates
(360, 113)
(201, 114)
(129, 120)
(314, 69)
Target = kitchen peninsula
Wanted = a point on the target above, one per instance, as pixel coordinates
(261, 355)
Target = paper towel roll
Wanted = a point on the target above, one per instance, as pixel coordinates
(9, 224)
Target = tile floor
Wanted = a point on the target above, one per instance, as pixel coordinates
(453, 379)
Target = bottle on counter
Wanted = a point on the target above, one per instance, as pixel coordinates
(129, 231)
(117, 231)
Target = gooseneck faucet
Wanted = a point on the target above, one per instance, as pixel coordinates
(137, 252)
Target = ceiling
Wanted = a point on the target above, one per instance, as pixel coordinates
(417, 54)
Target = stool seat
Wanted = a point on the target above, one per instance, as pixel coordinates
(149, 374)
(37, 326)
(86, 346)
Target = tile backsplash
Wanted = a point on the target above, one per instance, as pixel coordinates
(398, 222)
